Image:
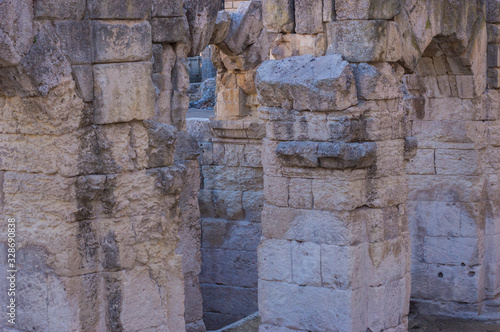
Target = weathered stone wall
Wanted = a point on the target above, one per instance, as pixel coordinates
(96, 165)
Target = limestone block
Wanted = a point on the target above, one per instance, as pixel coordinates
(119, 9)
(322, 227)
(494, 78)
(252, 205)
(123, 92)
(232, 178)
(275, 260)
(168, 30)
(493, 33)
(451, 251)
(446, 188)
(135, 315)
(436, 218)
(287, 45)
(201, 17)
(252, 57)
(222, 27)
(422, 163)
(454, 162)
(229, 267)
(16, 30)
(245, 28)
(300, 193)
(429, 132)
(366, 9)
(23, 153)
(326, 155)
(75, 41)
(328, 10)
(60, 112)
(167, 8)
(59, 9)
(493, 11)
(307, 83)
(290, 305)
(364, 41)
(42, 69)
(306, 263)
(84, 80)
(308, 16)
(238, 301)
(118, 41)
(276, 190)
(342, 265)
(279, 15)
(227, 204)
(379, 81)
(227, 234)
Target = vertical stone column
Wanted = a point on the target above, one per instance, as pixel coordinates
(95, 166)
(335, 248)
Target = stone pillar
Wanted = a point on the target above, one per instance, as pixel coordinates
(96, 166)
(335, 248)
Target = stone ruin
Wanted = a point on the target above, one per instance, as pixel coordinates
(352, 165)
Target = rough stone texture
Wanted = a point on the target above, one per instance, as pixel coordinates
(201, 16)
(123, 92)
(315, 84)
(119, 42)
(59, 9)
(279, 15)
(16, 31)
(111, 9)
(308, 16)
(365, 41)
(305, 187)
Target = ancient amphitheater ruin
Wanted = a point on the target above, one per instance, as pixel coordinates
(348, 181)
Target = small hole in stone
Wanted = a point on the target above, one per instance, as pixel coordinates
(472, 273)
(463, 264)
(440, 274)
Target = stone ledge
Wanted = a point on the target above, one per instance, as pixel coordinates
(327, 155)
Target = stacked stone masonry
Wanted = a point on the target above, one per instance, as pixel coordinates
(351, 166)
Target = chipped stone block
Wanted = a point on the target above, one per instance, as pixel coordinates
(379, 81)
(422, 163)
(322, 227)
(451, 250)
(306, 263)
(245, 28)
(167, 8)
(276, 190)
(493, 11)
(276, 260)
(287, 45)
(288, 304)
(328, 10)
(168, 30)
(228, 234)
(252, 205)
(119, 41)
(342, 265)
(222, 26)
(364, 41)
(123, 92)
(308, 16)
(494, 78)
(84, 80)
(307, 83)
(59, 9)
(366, 9)
(300, 193)
(120, 9)
(75, 40)
(446, 188)
(16, 30)
(454, 162)
(229, 267)
(279, 15)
